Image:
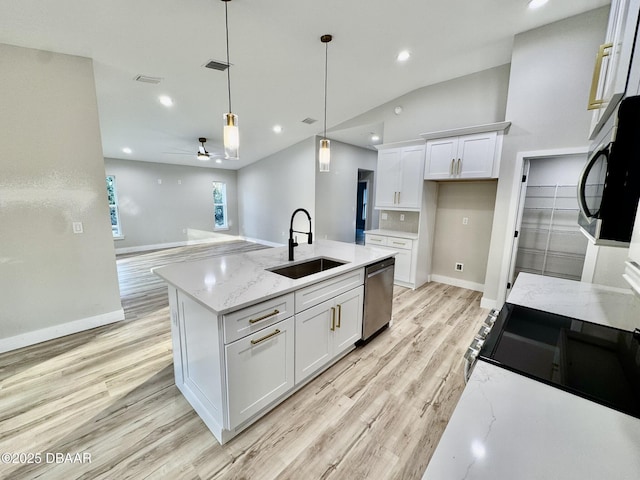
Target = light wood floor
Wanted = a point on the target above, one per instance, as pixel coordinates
(376, 414)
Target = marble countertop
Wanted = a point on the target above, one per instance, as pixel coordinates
(225, 284)
(393, 233)
(609, 306)
(506, 425)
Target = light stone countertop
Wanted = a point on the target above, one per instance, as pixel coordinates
(393, 233)
(508, 426)
(228, 283)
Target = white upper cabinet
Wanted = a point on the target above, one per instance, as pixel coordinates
(464, 153)
(611, 71)
(468, 156)
(399, 177)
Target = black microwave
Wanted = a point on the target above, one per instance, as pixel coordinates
(609, 185)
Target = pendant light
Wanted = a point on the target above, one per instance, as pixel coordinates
(231, 135)
(324, 154)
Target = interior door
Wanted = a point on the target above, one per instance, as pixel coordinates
(516, 234)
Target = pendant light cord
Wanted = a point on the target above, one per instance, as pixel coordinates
(326, 63)
(226, 23)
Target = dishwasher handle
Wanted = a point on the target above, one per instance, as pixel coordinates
(376, 268)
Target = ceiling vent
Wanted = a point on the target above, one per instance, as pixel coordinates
(309, 120)
(216, 65)
(148, 79)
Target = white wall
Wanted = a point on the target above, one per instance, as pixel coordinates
(336, 191)
(179, 209)
(456, 242)
(271, 189)
(550, 78)
(474, 99)
(52, 281)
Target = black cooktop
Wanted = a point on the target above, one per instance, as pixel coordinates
(596, 362)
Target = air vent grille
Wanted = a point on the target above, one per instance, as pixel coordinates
(216, 65)
(148, 79)
(309, 120)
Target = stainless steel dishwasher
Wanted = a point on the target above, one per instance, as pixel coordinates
(378, 296)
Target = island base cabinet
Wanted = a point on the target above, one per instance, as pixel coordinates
(326, 331)
(259, 370)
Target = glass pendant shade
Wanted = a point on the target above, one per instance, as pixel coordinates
(324, 155)
(231, 136)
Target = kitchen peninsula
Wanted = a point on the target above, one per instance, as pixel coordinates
(245, 337)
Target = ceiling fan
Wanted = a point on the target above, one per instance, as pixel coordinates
(202, 153)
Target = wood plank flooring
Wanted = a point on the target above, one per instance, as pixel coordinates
(376, 414)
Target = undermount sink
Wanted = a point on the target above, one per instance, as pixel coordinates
(303, 269)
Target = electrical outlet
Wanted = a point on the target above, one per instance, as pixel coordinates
(459, 267)
(383, 216)
(465, 220)
(77, 227)
(159, 181)
(402, 217)
(179, 182)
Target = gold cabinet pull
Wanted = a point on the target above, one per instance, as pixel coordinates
(339, 316)
(596, 103)
(333, 319)
(255, 342)
(453, 162)
(256, 320)
(459, 164)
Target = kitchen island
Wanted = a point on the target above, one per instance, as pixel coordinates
(245, 338)
(507, 425)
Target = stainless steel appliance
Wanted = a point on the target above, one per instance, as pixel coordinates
(609, 186)
(378, 296)
(594, 361)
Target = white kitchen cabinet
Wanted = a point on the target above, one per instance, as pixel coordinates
(399, 177)
(176, 337)
(405, 255)
(632, 265)
(327, 330)
(611, 71)
(259, 369)
(464, 157)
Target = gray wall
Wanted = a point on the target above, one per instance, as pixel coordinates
(51, 175)
(336, 191)
(179, 209)
(272, 188)
(551, 71)
(474, 99)
(455, 242)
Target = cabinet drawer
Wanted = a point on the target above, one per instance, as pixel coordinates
(243, 322)
(403, 243)
(375, 239)
(319, 292)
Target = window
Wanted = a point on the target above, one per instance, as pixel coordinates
(113, 206)
(220, 206)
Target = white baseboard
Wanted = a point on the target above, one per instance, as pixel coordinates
(478, 287)
(488, 303)
(57, 331)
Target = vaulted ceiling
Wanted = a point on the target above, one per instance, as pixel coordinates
(277, 59)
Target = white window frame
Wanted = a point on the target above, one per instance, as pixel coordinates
(223, 204)
(116, 229)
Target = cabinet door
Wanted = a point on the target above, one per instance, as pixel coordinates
(348, 328)
(476, 154)
(441, 158)
(313, 340)
(402, 270)
(388, 177)
(412, 177)
(259, 370)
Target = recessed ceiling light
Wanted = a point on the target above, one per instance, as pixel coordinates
(218, 160)
(127, 150)
(537, 3)
(375, 138)
(397, 110)
(277, 129)
(165, 100)
(403, 56)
